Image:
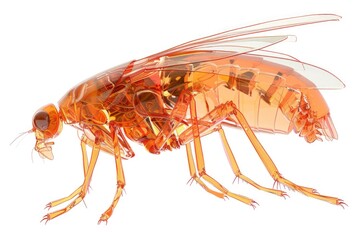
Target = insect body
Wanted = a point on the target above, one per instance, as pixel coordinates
(175, 97)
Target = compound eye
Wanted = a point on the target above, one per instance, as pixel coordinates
(42, 120)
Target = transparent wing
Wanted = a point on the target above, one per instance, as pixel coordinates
(227, 64)
(321, 78)
(235, 34)
(228, 48)
(230, 45)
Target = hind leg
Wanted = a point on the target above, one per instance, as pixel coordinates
(270, 166)
(237, 172)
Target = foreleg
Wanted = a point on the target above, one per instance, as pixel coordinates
(79, 192)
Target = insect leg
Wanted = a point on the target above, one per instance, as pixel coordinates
(119, 176)
(81, 191)
(272, 169)
(84, 154)
(194, 175)
(85, 168)
(215, 117)
(237, 172)
(201, 164)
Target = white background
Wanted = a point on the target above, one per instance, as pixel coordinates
(46, 48)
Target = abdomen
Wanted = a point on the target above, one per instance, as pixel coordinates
(260, 90)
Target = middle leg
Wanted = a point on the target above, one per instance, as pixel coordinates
(211, 122)
(200, 164)
(120, 183)
(195, 177)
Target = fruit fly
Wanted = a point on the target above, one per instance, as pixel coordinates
(175, 97)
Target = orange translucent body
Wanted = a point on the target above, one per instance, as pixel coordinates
(175, 97)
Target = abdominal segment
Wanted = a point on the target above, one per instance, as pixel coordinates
(260, 95)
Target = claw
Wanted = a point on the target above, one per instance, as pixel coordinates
(46, 218)
(103, 218)
(341, 203)
(284, 195)
(253, 204)
(48, 206)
